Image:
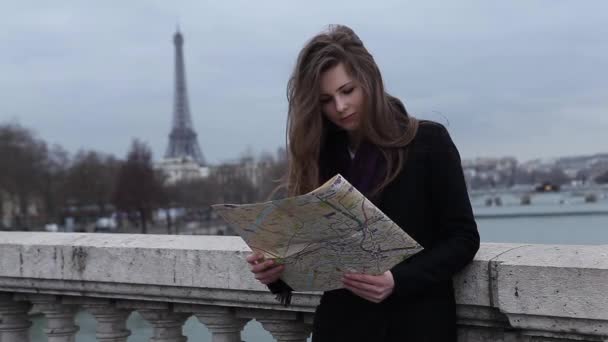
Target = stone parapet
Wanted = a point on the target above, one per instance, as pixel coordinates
(510, 292)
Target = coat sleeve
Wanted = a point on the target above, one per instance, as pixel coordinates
(455, 236)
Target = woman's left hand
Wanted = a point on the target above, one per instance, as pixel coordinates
(370, 287)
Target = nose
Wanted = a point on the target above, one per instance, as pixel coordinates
(341, 104)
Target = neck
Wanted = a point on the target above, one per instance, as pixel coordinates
(354, 140)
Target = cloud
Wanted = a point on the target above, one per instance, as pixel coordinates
(94, 75)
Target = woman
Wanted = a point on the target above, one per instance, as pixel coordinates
(341, 120)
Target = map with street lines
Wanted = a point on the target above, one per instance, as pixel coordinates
(321, 235)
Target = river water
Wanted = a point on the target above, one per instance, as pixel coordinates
(550, 221)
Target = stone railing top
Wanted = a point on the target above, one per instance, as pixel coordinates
(169, 260)
(145, 241)
(541, 280)
(516, 279)
(174, 268)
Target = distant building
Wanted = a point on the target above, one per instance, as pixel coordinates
(182, 169)
(246, 168)
(11, 215)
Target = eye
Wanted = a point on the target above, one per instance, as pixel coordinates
(325, 100)
(348, 91)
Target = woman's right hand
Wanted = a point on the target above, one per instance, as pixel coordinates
(265, 271)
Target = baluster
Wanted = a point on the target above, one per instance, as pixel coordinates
(221, 321)
(284, 326)
(308, 319)
(14, 321)
(60, 326)
(111, 321)
(167, 324)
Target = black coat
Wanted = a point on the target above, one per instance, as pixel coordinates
(429, 201)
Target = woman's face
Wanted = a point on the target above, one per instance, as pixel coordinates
(342, 98)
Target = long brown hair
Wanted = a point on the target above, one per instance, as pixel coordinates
(387, 125)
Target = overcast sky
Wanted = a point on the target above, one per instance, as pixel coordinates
(521, 78)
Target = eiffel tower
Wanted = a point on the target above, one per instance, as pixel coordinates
(183, 142)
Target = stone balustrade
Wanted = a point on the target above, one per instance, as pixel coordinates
(510, 292)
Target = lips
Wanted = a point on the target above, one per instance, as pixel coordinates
(348, 117)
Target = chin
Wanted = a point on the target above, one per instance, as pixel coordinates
(350, 128)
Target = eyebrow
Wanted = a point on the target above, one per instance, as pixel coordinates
(339, 88)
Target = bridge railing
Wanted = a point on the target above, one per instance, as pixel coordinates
(509, 292)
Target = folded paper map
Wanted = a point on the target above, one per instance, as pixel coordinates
(321, 235)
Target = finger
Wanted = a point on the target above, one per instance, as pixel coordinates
(270, 275)
(269, 280)
(375, 296)
(261, 267)
(362, 294)
(371, 289)
(252, 258)
(364, 278)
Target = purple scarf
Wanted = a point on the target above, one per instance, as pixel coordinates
(365, 171)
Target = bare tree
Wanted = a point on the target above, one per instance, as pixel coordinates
(138, 188)
(194, 196)
(21, 170)
(234, 182)
(196, 193)
(91, 179)
(272, 172)
(53, 182)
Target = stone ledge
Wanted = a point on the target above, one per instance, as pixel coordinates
(473, 286)
(128, 258)
(563, 281)
(302, 302)
(553, 292)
